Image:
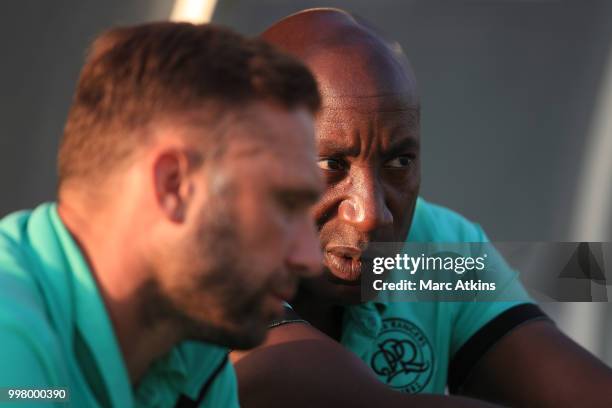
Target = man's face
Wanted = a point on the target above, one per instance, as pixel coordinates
(368, 147)
(251, 235)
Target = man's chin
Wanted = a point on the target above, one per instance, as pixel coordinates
(332, 290)
(241, 334)
(246, 341)
(347, 295)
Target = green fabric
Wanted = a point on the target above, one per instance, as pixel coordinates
(410, 344)
(55, 332)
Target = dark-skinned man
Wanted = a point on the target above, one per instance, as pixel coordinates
(368, 142)
(187, 170)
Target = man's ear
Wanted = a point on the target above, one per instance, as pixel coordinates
(172, 182)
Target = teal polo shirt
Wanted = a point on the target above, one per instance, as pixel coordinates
(55, 331)
(425, 347)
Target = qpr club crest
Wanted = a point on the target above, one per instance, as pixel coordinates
(403, 358)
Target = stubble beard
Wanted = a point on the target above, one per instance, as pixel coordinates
(210, 298)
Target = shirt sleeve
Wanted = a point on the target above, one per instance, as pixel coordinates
(478, 325)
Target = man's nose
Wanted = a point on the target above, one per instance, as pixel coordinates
(305, 257)
(365, 206)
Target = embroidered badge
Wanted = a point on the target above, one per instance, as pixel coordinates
(404, 357)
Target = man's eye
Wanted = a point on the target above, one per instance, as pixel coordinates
(399, 162)
(331, 164)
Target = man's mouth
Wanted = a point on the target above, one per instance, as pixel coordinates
(344, 262)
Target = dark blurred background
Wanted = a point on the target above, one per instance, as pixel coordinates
(516, 106)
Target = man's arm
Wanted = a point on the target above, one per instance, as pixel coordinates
(299, 366)
(537, 365)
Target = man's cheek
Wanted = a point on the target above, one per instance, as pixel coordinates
(261, 227)
(326, 232)
(404, 220)
(326, 209)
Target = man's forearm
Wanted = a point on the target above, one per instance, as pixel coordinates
(318, 371)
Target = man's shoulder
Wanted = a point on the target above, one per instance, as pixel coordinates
(17, 233)
(31, 349)
(435, 223)
(15, 269)
(25, 326)
(13, 224)
(19, 283)
(13, 239)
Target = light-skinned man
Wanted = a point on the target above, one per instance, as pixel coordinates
(187, 170)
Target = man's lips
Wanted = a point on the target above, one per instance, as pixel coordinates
(344, 262)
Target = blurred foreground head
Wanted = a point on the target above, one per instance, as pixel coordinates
(367, 135)
(193, 147)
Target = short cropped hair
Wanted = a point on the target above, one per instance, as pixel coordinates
(135, 75)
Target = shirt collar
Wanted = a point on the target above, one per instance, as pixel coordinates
(366, 317)
(81, 300)
(165, 380)
(167, 377)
